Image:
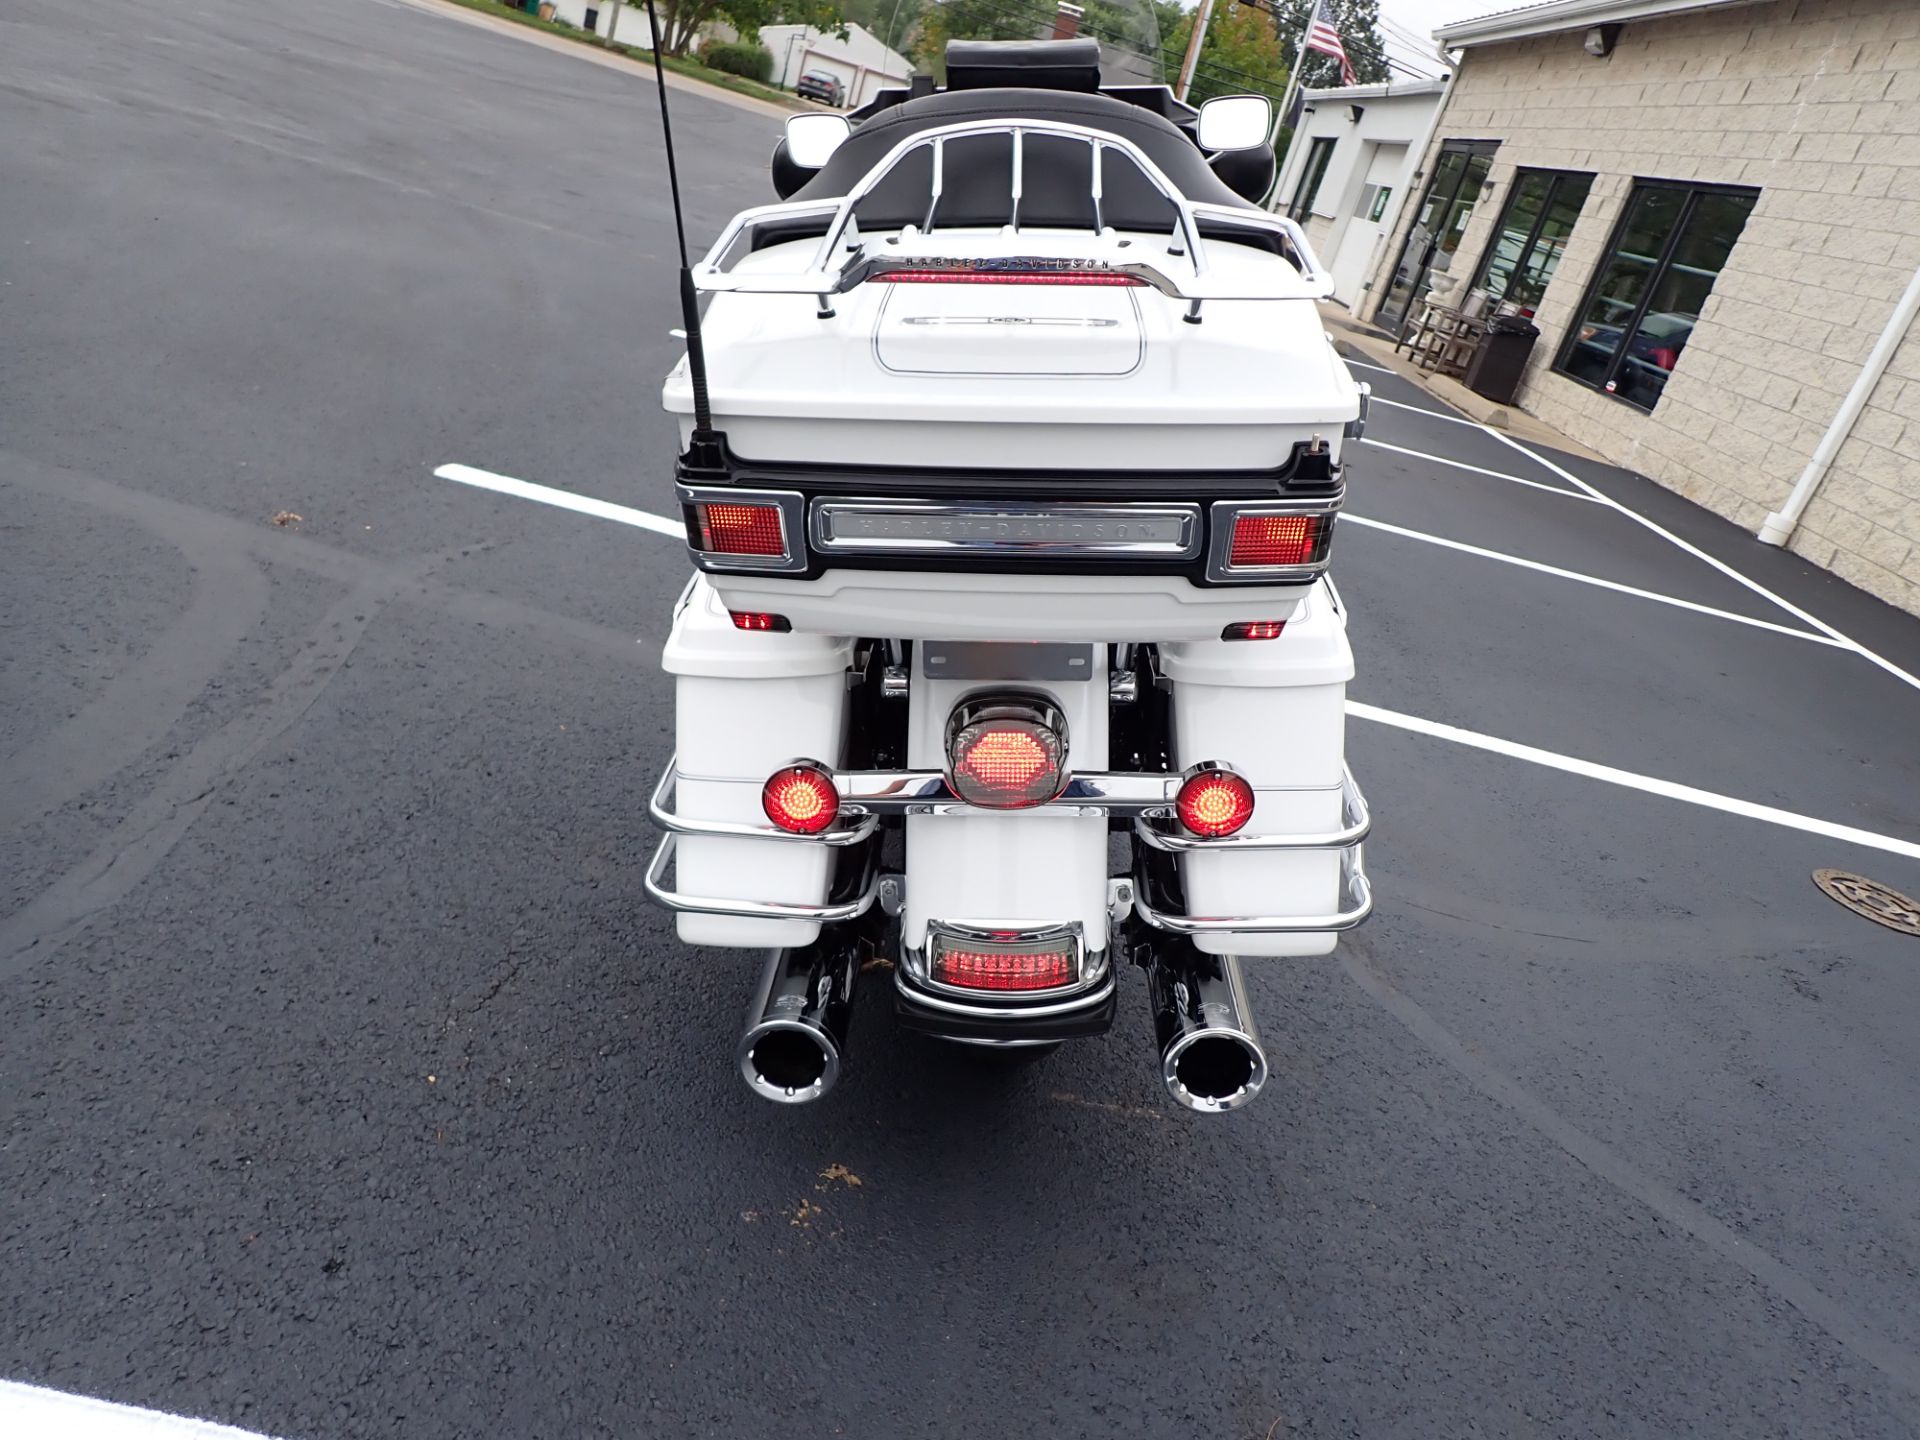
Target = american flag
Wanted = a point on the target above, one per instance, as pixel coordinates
(1322, 36)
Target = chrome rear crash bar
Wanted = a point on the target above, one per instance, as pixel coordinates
(660, 808)
(1120, 794)
(1355, 824)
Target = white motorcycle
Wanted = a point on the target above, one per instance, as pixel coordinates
(1013, 449)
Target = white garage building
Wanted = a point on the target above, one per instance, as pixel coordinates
(1348, 170)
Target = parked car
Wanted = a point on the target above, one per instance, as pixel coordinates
(1652, 352)
(821, 85)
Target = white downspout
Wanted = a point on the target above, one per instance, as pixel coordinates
(1418, 154)
(1781, 524)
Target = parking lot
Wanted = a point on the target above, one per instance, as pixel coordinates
(348, 1087)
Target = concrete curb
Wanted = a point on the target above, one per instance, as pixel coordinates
(580, 51)
(1352, 337)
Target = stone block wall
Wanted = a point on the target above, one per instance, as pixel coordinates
(1816, 103)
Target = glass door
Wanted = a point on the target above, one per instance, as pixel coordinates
(1437, 227)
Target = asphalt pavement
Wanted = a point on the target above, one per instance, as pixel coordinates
(349, 1088)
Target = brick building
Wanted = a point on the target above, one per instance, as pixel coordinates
(1712, 209)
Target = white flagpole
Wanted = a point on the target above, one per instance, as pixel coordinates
(1293, 84)
(1299, 59)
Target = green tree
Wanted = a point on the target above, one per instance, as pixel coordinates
(976, 20)
(1242, 54)
(681, 21)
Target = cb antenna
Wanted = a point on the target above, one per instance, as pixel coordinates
(707, 449)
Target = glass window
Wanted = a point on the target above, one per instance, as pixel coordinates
(1381, 195)
(1671, 245)
(1532, 233)
(1303, 194)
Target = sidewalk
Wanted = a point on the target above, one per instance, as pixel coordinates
(1351, 338)
(581, 49)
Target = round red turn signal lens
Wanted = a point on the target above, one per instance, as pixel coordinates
(1215, 803)
(801, 799)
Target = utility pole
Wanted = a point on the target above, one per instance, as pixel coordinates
(1194, 41)
(613, 21)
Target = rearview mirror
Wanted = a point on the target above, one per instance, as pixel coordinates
(812, 139)
(1230, 122)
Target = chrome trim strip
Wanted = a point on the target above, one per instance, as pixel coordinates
(793, 528)
(747, 909)
(1355, 822)
(1012, 528)
(666, 819)
(1356, 903)
(1220, 517)
(924, 792)
(1096, 995)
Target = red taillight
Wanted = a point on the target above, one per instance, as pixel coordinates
(1249, 630)
(1215, 803)
(760, 620)
(1267, 540)
(1005, 277)
(1003, 965)
(1005, 764)
(801, 799)
(734, 527)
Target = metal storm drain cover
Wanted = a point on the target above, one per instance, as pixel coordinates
(1880, 903)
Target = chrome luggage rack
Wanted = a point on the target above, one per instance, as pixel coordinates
(1190, 269)
(1147, 798)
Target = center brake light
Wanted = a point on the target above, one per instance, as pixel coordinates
(1003, 960)
(1004, 277)
(1006, 752)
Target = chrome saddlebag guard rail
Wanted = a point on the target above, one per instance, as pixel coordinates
(1155, 876)
(1144, 797)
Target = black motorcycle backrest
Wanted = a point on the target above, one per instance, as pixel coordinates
(1024, 64)
(1056, 179)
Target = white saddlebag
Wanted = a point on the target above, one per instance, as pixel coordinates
(747, 703)
(1275, 711)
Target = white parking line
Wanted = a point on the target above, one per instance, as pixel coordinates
(1347, 517)
(486, 479)
(29, 1411)
(565, 499)
(1651, 785)
(1725, 569)
(1422, 410)
(1363, 365)
(1560, 490)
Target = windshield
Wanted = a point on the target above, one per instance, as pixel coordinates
(1129, 31)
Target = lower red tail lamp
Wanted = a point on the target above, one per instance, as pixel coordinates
(1214, 803)
(1003, 965)
(801, 799)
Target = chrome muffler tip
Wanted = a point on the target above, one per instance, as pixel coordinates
(796, 1033)
(789, 1062)
(1214, 1072)
(1211, 1060)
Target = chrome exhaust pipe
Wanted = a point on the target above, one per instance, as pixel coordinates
(796, 1029)
(1210, 1055)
